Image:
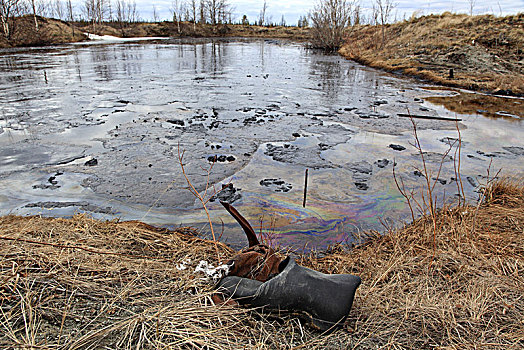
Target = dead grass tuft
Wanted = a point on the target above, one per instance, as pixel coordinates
(508, 192)
(80, 283)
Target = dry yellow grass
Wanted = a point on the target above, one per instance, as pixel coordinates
(80, 283)
(485, 52)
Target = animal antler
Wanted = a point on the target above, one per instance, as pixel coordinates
(250, 233)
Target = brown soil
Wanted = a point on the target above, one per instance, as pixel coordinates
(81, 283)
(486, 53)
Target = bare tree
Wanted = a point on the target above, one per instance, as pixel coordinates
(88, 10)
(7, 13)
(33, 6)
(472, 4)
(71, 16)
(212, 11)
(218, 11)
(177, 7)
(373, 17)
(302, 22)
(383, 12)
(95, 11)
(224, 12)
(43, 8)
(262, 16)
(109, 10)
(58, 9)
(121, 14)
(155, 14)
(356, 14)
(269, 21)
(194, 7)
(202, 11)
(126, 13)
(329, 19)
(102, 10)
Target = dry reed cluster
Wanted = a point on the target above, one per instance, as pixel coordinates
(79, 284)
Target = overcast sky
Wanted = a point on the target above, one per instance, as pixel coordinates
(293, 9)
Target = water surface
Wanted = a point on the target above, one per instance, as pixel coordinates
(266, 109)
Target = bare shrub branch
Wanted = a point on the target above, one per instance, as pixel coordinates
(329, 20)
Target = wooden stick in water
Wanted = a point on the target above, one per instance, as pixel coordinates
(305, 189)
(427, 117)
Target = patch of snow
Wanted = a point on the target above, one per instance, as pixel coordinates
(183, 264)
(110, 38)
(209, 270)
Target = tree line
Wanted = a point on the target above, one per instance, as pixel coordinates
(328, 20)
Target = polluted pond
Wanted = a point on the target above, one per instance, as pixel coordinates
(97, 128)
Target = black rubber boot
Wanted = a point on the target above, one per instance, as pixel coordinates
(326, 298)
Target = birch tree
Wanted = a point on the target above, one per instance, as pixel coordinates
(33, 6)
(177, 9)
(194, 8)
(7, 12)
(262, 16)
(384, 9)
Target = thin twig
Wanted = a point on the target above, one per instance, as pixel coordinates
(200, 198)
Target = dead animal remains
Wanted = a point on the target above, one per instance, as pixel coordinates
(258, 277)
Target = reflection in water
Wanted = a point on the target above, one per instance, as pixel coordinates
(130, 59)
(102, 64)
(77, 65)
(262, 55)
(475, 103)
(329, 73)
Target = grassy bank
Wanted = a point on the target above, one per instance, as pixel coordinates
(80, 283)
(50, 32)
(485, 52)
